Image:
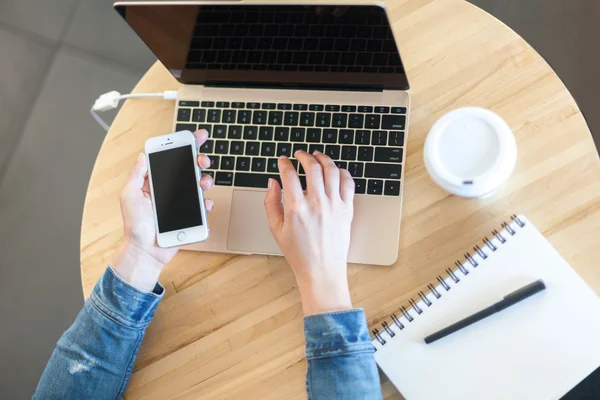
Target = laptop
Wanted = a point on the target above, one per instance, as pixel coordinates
(272, 77)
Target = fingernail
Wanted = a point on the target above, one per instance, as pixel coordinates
(141, 156)
(316, 152)
(270, 184)
(283, 158)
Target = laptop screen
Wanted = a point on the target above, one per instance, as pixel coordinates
(316, 46)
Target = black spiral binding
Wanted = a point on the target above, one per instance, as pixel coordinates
(488, 246)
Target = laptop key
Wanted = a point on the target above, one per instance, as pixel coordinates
(235, 132)
(372, 121)
(214, 116)
(360, 186)
(253, 105)
(300, 146)
(224, 178)
(242, 164)
(211, 173)
(284, 149)
(363, 137)
(250, 132)
(339, 120)
(392, 188)
(259, 164)
(269, 106)
(273, 165)
(356, 121)
(222, 147)
(398, 110)
(388, 154)
(316, 147)
(259, 117)
(313, 135)
(214, 162)
(349, 108)
(244, 116)
(396, 139)
(207, 147)
(333, 151)
(297, 135)
(365, 109)
(268, 149)
(189, 103)
(222, 104)
(356, 169)
(265, 133)
(199, 115)
(237, 147)
(323, 119)
(330, 135)
(185, 127)
(307, 119)
(208, 104)
(275, 117)
(229, 116)
(379, 138)
(396, 122)
(349, 153)
(341, 164)
(375, 186)
(332, 108)
(291, 118)
(252, 148)
(382, 110)
(184, 114)
(227, 163)
(316, 107)
(384, 171)
(219, 132)
(261, 181)
(237, 104)
(282, 134)
(365, 153)
(300, 107)
(346, 136)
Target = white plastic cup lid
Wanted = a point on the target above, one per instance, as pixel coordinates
(470, 152)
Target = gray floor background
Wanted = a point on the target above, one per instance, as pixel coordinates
(57, 57)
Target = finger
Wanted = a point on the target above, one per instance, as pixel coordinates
(346, 186)
(206, 183)
(137, 175)
(314, 172)
(201, 136)
(290, 181)
(273, 207)
(209, 205)
(203, 161)
(146, 187)
(331, 175)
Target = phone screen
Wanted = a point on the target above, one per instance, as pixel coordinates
(175, 189)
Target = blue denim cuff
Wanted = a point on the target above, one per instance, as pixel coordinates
(336, 333)
(123, 303)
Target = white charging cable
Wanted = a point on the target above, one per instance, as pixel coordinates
(111, 100)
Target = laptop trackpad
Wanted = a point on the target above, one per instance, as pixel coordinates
(248, 226)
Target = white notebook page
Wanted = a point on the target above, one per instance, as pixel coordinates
(539, 348)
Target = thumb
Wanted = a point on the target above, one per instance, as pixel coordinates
(137, 175)
(274, 207)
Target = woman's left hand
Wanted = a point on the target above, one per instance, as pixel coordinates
(140, 260)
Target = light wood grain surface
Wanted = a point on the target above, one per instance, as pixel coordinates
(231, 326)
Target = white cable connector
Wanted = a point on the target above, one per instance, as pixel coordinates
(111, 100)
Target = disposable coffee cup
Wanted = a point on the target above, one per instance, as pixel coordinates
(470, 152)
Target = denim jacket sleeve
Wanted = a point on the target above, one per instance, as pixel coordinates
(94, 358)
(340, 357)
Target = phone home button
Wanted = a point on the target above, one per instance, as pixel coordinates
(181, 236)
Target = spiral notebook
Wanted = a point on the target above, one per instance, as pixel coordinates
(539, 348)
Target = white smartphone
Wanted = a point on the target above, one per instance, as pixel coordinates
(178, 200)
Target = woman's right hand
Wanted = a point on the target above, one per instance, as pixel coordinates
(313, 229)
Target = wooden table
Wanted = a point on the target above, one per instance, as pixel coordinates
(231, 326)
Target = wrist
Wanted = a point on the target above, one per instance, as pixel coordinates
(137, 267)
(324, 294)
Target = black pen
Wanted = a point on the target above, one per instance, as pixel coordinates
(508, 300)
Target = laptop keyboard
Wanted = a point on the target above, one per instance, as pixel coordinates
(246, 139)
